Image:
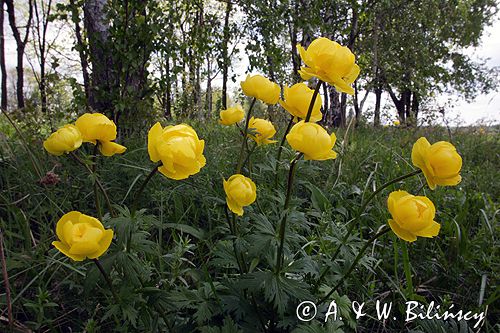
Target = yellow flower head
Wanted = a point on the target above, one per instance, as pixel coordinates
(412, 216)
(396, 122)
(439, 162)
(96, 126)
(240, 192)
(98, 129)
(297, 100)
(231, 115)
(179, 149)
(330, 62)
(261, 88)
(263, 131)
(312, 140)
(82, 236)
(64, 140)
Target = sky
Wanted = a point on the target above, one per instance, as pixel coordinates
(485, 109)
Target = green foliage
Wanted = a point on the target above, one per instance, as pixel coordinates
(175, 264)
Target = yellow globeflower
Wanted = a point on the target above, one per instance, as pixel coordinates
(263, 130)
(412, 216)
(297, 100)
(98, 129)
(82, 236)
(330, 62)
(64, 140)
(240, 192)
(312, 140)
(439, 162)
(179, 149)
(96, 126)
(231, 115)
(261, 88)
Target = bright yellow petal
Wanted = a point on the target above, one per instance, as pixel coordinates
(401, 233)
(431, 231)
(103, 244)
(65, 250)
(153, 136)
(71, 216)
(234, 207)
(108, 148)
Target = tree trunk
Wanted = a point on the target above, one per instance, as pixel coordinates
(292, 29)
(21, 45)
(102, 78)
(208, 92)
(80, 46)
(168, 90)
(376, 72)
(2, 61)
(225, 55)
(378, 99)
(415, 106)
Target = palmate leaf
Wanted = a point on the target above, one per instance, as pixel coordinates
(278, 289)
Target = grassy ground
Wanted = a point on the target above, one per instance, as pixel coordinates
(179, 266)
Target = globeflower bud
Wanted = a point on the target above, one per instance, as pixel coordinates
(64, 140)
(240, 192)
(330, 62)
(440, 162)
(82, 236)
(179, 149)
(312, 140)
(412, 216)
(263, 131)
(261, 88)
(231, 115)
(297, 100)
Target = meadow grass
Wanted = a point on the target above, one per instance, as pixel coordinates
(180, 256)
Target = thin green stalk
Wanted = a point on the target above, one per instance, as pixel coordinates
(247, 158)
(407, 269)
(354, 263)
(5, 276)
(291, 176)
(96, 191)
(313, 99)
(143, 186)
(108, 280)
(280, 149)
(358, 215)
(245, 133)
(99, 184)
(365, 204)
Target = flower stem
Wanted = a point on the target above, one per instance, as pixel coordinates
(143, 186)
(280, 149)
(96, 187)
(291, 176)
(244, 141)
(108, 280)
(313, 100)
(365, 204)
(96, 180)
(384, 230)
(407, 269)
(358, 215)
